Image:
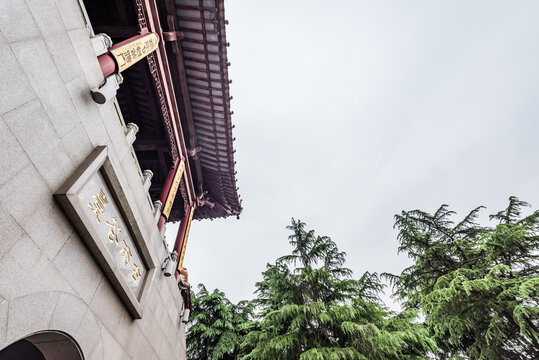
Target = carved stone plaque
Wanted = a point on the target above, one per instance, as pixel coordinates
(103, 212)
(94, 200)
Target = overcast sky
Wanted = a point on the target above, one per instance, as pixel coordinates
(348, 112)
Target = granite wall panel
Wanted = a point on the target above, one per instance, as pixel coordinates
(48, 126)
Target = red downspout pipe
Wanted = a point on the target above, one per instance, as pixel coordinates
(166, 189)
(180, 237)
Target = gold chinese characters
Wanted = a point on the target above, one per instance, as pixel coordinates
(126, 253)
(114, 230)
(136, 274)
(97, 208)
(131, 52)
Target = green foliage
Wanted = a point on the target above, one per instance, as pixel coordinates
(477, 286)
(217, 326)
(311, 308)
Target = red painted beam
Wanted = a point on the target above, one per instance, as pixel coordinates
(107, 64)
(180, 236)
(153, 23)
(112, 62)
(166, 189)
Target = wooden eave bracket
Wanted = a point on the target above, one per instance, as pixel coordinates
(172, 35)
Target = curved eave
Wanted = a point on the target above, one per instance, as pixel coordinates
(205, 67)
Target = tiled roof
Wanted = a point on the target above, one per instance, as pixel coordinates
(205, 67)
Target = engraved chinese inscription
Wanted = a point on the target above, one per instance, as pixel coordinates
(97, 206)
(126, 253)
(112, 231)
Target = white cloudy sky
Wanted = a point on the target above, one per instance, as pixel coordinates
(348, 112)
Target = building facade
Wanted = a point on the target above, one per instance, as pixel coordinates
(114, 121)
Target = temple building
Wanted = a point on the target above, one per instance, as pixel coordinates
(115, 120)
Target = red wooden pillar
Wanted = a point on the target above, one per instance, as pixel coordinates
(165, 192)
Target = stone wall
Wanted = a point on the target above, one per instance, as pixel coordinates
(48, 126)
